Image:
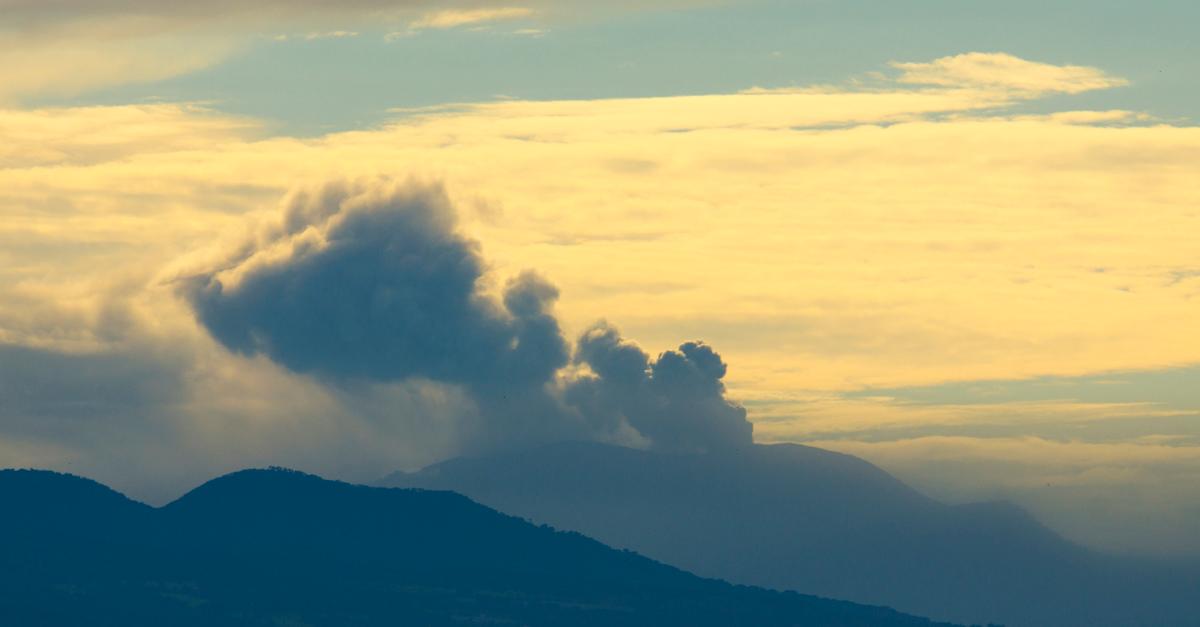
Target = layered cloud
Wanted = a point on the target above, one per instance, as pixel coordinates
(73, 58)
(59, 48)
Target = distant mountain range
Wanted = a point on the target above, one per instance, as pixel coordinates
(280, 548)
(799, 518)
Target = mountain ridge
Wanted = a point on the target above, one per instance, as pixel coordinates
(272, 547)
(793, 517)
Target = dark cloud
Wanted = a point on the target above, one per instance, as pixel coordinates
(381, 288)
(677, 401)
(362, 283)
(156, 415)
(104, 412)
(48, 392)
(372, 283)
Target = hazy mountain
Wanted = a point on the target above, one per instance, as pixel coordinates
(799, 518)
(283, 548)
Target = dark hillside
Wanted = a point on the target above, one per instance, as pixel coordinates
(277, 547)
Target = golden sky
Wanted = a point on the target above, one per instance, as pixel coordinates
(824, 239)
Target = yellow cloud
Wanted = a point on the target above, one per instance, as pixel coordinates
(317, 35)
(1005, 72)
(68, 47)
(455, 18)
(799, 418)
(93, 135)
(86, 56)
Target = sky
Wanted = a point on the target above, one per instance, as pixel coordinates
(955, 238)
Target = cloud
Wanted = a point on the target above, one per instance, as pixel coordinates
(75, 396)
(91, 135)
(469, 17)
(476, 19)
(441, 13)
(371, 282)
(676, 401)
(1005, 72)
(108, 411)
(317, 35)
(38, 13)
(162, 413)
(67, 47)
(830, 416)
(75, 58)
(365, 283)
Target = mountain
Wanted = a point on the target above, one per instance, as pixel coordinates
(282, 548)
(799, 518)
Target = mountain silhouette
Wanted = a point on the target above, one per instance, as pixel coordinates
(282, 548)
(800, 518)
